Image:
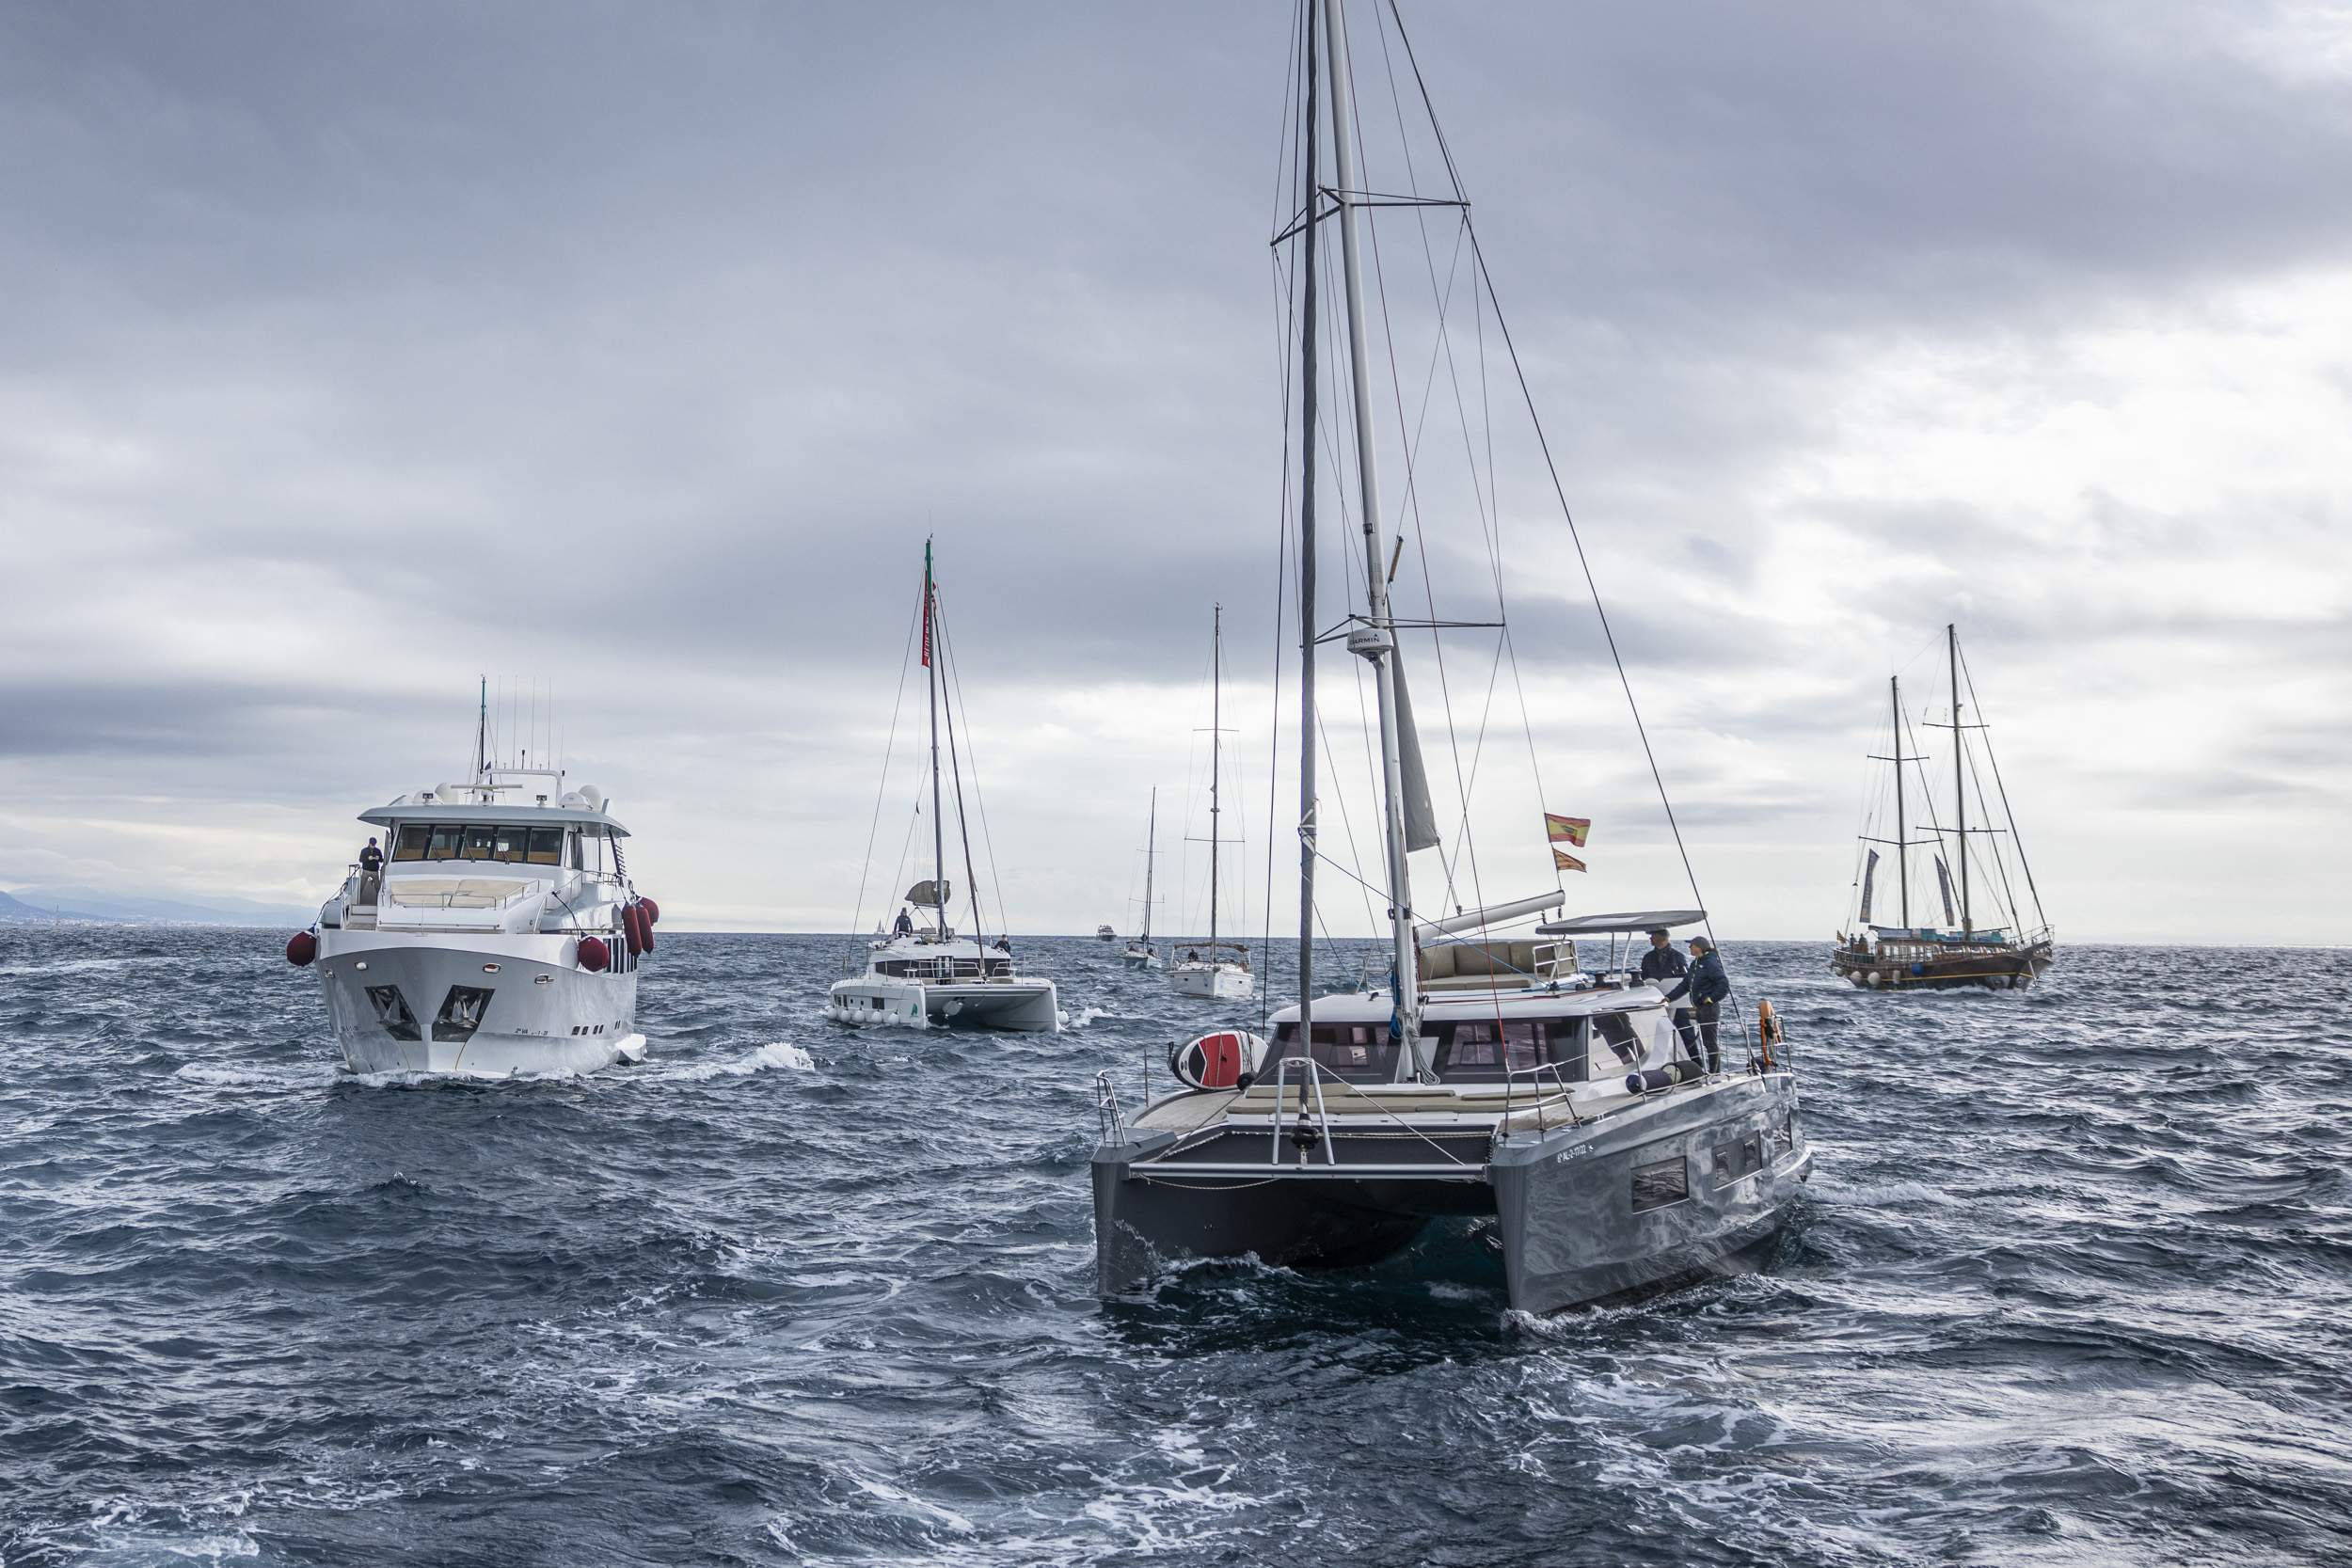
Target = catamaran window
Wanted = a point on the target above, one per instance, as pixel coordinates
(547, 846)
(1734, 1161)
(448, 840)
(410, 843)
(1664, 1181)
(1616, 1031)
(1357, 1052)
(1487, 1050)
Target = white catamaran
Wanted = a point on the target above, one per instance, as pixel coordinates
(1214, 969)
(923, 972)
(497, 935)
(1488, 1080)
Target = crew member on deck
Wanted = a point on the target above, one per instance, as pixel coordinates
(1662, 966)
(371, 872)
(1708, 987)
(905, 928)
(371, 858)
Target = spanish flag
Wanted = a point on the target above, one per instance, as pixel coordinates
(1566, 862)
(1568, 830)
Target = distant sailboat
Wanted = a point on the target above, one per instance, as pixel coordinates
(1214, 969)
(1960, 954)
(1141, 953)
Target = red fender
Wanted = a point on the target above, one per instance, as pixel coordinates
(653, 911)
(631, 929)
(645, 921)
(595, 956)
(301, 948)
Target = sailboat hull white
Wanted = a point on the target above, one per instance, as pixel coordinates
(1219, 982)
(1025, 1005)
(1142, 961)
(390, 997)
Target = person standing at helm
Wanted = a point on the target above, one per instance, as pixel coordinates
(1708, 987)
(1662, 966)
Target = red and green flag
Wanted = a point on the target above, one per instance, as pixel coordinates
(1568, 830)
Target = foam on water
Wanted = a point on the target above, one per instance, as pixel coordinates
(2065, 1291)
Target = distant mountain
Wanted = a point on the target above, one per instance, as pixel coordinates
(15, 911)
(82, 903)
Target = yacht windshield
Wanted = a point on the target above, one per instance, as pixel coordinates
(469, 841)
(1488, 1051)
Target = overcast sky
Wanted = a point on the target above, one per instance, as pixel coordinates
(350, 351)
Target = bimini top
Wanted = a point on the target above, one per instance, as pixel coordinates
(1608, 924)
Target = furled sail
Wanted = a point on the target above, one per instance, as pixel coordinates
(1421, 821)
(1869, 875)
(930, 896)
(1944, 878)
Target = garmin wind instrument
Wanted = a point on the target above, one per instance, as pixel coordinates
(1475, 1076)
(921, 971)
(1971, 859)
(495, 933)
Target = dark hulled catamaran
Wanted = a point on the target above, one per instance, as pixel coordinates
(2005, 956)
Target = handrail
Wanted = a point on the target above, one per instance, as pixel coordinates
(1315, 1071)
(1110, 1121)
(1567, 1095)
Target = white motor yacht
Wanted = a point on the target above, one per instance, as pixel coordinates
(499, 937)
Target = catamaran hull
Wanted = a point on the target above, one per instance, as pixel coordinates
(390, 997)
(1219, 985)
(1563, 1203)
(1026, 1005)
(2003, 969)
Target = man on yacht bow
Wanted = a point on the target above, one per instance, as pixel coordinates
(1708, 987)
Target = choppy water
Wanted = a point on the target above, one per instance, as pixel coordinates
(2072, 1286)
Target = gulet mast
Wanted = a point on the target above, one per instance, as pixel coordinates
(1959, 788)
(939, 823)
(1902, 853)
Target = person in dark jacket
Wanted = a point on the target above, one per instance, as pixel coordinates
(371, 873)
(371, 858)
(1708, 988)
(1661, 966)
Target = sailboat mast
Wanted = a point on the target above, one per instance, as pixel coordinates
(1216, 735)
(1902, 852)
(1377, 640)
(939, 823)
(1306, 436)
(482, 736)
(1151, 851)
(1960, 786)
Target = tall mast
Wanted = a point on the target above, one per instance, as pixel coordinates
(1903, 855)
(1959, 788)
(1150, 850)
(1308, 376)
(482, 736)
(939, 823)
(1376, 639)
(1216, 661)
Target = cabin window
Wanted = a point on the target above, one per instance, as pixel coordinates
(506, 844)
(571, 849)
(448, 839)
(1357, 1052)
(1661, 1182)
(1735, 1162)
(1488, 1051)
(410, 842)
(1617, 1032)
(1784, 1139)
(547, 846)
(481, 844)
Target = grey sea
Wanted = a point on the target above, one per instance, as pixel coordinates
(2071, 1286)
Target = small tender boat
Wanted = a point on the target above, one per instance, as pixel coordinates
(923, 972)
(1959, 955)
(1214, 970)
(500, 936)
